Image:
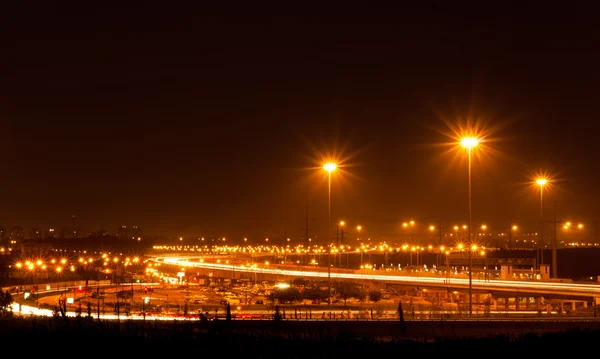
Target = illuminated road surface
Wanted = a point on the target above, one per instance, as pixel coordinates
(538, 287)
(26, 310)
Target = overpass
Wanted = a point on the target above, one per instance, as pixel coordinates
(533, 288)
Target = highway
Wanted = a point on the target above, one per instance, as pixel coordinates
(531, 287)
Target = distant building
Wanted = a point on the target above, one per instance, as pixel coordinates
(68, 233)
(129, 232)
(50, 233)
(4, 239)
(71, 233)
(17, 234)
(36, 233)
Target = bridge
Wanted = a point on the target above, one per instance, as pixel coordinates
(515, 288)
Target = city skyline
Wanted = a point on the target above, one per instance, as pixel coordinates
(180, 128)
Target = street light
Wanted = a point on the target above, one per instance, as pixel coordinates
(469, 143)
(329, 167)
(541, 181)
(510, 233)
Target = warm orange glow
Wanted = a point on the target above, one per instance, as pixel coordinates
(474, 247)
(342, 223)
(359, 227)
(329, 166)
(484, 227)
(431, 228)
(469, 142)
(456, 228)
(580, 226)
(514, 227)
(541, 181)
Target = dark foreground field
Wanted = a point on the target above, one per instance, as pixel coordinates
(84, 337)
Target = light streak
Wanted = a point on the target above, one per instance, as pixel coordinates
(590, 290)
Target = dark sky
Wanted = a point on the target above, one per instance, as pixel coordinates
(207, 121)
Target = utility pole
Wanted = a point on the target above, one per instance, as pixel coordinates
(306, 243)
(510, 226)
(285, 243)
(554, 244)
(439, 244)
(307, 230)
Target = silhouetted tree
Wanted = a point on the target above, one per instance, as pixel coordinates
(375, 296)
(89, 309)
(228, 312)
(277, 316)
(5, 300)
(347, 290)
(401, 316)
(286, 295)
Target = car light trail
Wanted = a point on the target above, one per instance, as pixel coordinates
(592, 290)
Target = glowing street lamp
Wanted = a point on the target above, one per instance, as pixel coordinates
(541, 181)
(329, 167)
(469, 143)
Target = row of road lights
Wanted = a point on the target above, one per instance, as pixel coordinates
(469, 143)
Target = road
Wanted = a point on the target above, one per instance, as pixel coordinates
(531, 287)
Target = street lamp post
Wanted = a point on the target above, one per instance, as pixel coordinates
(329, 167)
(541, 182)
(469, 143)
(554, 243)
(510, 233)
(340, 240)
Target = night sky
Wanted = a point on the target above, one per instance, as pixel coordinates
(213, 121)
